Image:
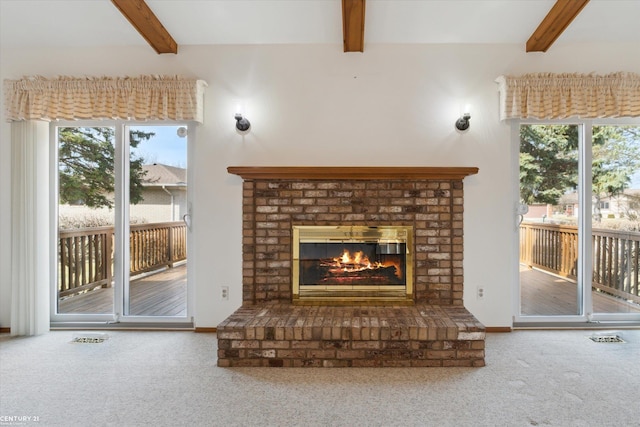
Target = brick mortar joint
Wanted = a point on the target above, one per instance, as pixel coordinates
(450, 186)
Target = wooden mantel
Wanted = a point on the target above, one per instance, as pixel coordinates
(348, 172)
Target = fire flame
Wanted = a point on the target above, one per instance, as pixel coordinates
(358, 262)
(357, 268)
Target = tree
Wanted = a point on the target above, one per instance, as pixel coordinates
(86, 166)
(549, 161)
(616, 157)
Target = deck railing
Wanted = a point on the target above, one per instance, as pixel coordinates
(86, 255)
(554, 248)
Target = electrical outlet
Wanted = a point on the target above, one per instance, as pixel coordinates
(480, 292)
(224, 292)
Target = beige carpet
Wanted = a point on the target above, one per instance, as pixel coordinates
(544, 378)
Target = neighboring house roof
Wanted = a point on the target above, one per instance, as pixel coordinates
(158, 175)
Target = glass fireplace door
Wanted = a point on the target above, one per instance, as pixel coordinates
(352, 263)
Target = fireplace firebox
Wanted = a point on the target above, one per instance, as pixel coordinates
(350, 264)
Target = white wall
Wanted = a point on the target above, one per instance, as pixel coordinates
(393, 105)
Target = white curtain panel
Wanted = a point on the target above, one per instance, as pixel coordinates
(559, 96)
(30, 259)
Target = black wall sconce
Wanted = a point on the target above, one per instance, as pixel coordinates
(242, 124)
(462, 124)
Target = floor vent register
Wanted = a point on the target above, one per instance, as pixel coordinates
(606, 338)
(90, 338)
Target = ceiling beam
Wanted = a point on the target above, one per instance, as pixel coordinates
(148, 25)
(556, 21)
(353, 25)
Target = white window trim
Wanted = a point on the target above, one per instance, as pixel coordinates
(117, 319)
(586, 318)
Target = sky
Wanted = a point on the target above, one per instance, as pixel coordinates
(164, 147)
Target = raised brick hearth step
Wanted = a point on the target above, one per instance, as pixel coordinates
(282, 334)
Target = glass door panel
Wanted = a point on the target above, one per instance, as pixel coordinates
(158, 206)
(86, 220)
(616, 219)
(549, 240)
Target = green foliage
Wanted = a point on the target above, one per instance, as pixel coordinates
(549, 161)
(616, 155)
(86, 166)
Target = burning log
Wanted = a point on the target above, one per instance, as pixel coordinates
(352, 269)
(388, 272)
(352, 273)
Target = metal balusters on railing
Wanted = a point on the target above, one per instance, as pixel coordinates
(86, 255)
(554, 248)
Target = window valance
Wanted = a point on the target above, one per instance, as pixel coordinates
(558, 96)
(127, 98)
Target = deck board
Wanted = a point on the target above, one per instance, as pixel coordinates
(547, 294)
(161, 294)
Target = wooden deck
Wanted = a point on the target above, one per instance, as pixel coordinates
(547, 294)
(165, 294)
(160, 294)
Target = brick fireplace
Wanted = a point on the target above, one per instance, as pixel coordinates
(433, 330)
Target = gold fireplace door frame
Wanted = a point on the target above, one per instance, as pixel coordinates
(370, 294)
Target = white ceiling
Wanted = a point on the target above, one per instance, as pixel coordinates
(96, 23)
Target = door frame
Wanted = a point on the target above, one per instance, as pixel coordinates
(117, 319)
(585, 275)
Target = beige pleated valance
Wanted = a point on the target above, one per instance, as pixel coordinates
(559, 96)
(127, 98)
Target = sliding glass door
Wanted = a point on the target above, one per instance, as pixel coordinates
(615, 222)
(156, 239)
(549, 238)
(86, 221)
(579, 224)
(122, 208)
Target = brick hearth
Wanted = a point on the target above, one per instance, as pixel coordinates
(269, 331)
(277, 334)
